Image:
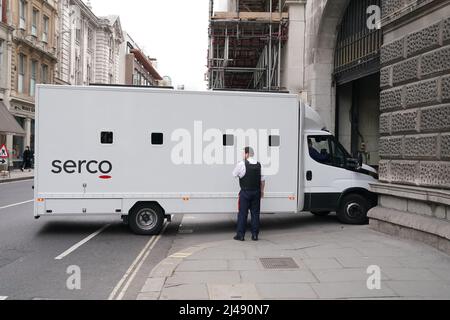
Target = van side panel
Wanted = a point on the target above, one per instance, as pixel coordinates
(190, 172)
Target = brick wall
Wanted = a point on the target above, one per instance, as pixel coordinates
(415, 107)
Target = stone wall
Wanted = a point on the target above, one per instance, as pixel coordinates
(415, 106)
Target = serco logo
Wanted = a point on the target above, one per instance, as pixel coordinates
(81, 166)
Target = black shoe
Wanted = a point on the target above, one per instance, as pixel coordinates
(255, 238)
(238, 238)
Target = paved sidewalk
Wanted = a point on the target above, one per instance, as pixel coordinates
(331, 262)
(16, 175)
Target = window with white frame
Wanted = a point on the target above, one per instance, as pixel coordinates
(45, 29)
(21, 76)
(44, 73)
(34, 25)
(33, 73)
(22, 14)
(1, 11)
(2, 49)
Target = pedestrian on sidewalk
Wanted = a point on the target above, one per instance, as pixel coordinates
(26, 159)
(252, 184)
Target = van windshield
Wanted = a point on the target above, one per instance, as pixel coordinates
(326, 150)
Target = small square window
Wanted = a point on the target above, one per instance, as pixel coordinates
(274, 141)
(106, 137)
(228, 140)
(157, 139)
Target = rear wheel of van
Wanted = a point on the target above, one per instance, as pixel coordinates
(146, 219)
(353, 209)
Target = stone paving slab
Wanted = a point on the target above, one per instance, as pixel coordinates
(203, 265)
(286, 291)
(349, 290)
(363, 262)
(241, 291)
(197, 291)
(217, 277)
(422, 289)
(320, 263)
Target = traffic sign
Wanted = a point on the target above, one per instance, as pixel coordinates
(4, 152)
(3, 161)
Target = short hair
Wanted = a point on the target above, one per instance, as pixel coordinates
(249, 151)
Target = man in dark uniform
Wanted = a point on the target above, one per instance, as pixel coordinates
(26, 159)
(252, 184)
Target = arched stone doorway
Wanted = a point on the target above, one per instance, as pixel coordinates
(342, 72)
(321, 33)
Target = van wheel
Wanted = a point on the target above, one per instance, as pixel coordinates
(321, 213)
(146, 219)
(353, 209)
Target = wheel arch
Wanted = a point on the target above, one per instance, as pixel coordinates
(148, 203)
(372, 197)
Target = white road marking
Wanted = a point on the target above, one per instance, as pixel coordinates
(16, 204)
(130, 274)
(3, 297)
(79, 244)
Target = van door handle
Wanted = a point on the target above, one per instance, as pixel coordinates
(308, 175)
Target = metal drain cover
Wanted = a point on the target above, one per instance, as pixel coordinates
(278, 263)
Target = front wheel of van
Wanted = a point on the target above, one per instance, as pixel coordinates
(353, 209)
(146, 219)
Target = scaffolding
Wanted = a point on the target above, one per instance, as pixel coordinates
(245, 45)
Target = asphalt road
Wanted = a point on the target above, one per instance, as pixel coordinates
(113, 261)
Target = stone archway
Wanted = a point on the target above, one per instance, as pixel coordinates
(321, 33)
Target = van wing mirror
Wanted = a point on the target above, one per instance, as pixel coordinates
(352, 163)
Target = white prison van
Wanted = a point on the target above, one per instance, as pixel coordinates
(144, 154)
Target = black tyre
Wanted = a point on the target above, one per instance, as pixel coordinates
(321, 213)
(146, 219)
(353, 209)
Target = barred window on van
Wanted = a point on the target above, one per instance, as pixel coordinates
(106, 137)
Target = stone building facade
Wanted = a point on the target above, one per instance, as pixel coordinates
(33, 59)
(136, 68)
(88, 46)
(415, 122)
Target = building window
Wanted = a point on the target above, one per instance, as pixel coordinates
(78, 35)
(22, 14)
(44, 73)
(34, 25)
(90, 39)
(45, 32)
(34, 65)
(21, 76)
(129, 48)
(111, 48)
(78, 70)
(1, 11)
(89, 76)
(2, 49)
